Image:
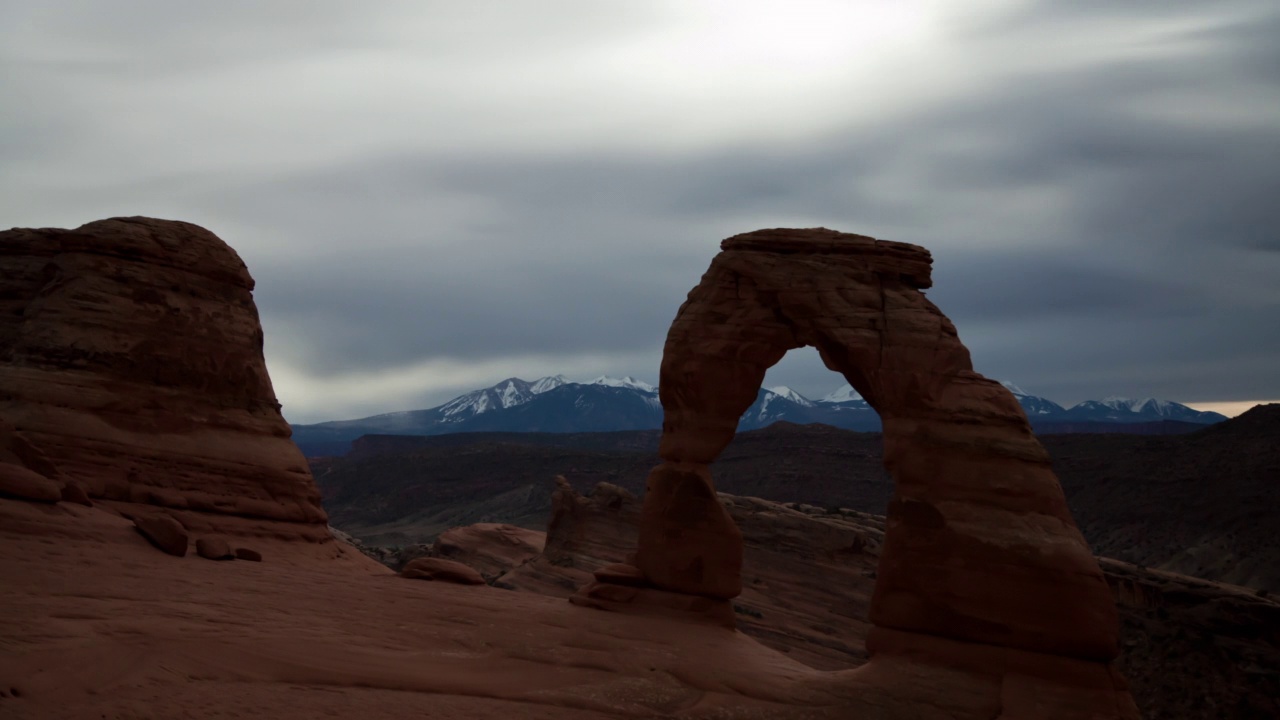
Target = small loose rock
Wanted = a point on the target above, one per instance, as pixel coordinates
(247, 554)
(164, 532)
(19, 482)
(429, 568)
(214, 549)
(74, 492)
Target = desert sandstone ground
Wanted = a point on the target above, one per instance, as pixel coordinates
(98, 623)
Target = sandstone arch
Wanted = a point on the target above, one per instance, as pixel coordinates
(980, 545)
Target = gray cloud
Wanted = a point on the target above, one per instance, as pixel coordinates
(436, 197)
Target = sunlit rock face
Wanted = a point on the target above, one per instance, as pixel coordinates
(979, 544)
(131, 357)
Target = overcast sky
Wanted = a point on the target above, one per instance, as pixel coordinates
(434, 196)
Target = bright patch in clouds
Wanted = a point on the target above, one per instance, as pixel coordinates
(722, 42)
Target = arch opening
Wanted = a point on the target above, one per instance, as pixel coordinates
(825, 396)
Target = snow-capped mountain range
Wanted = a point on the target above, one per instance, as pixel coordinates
(554, 404)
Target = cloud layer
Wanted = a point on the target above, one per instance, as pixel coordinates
(435, 196)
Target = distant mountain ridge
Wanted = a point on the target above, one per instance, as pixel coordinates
(1203, 503)
(554, 404)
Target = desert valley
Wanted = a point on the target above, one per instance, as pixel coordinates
(169, 552)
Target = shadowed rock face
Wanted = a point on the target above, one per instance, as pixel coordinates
(979, 544)
(131, 357)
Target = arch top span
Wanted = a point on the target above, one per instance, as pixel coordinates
(979, 543)
(857, 300)
(912, 262)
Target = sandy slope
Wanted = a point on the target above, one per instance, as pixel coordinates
(97, 623)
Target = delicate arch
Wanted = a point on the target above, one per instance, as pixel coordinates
(979, 544)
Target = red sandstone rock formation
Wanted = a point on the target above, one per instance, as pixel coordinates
(19, 482)
(130, 358)
(805, 569)
(583, 534)
(214, 548)
(74, 492)
(431, 568)
(807, 582)
(164, 532)
(25, 472)
(131, 355)
(490, 548)
(248, 554)
(979, 544)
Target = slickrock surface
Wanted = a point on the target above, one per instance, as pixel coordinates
(97, 623)
(979, 546)
(131, 356)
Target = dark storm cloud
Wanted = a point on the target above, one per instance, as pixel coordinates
(539, 273)
(548, 260)
(1097, 190)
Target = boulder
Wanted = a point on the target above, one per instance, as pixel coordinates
(74, 492)
(489, 548)
(247, 554)
(18, 482)
(17, 449)
(430, 568)
(214, 548)
(25, 472)
(164, 532)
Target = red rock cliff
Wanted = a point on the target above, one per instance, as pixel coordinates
(131, 356)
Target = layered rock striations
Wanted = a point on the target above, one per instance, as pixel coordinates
(980, 552)
(131, 358)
